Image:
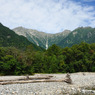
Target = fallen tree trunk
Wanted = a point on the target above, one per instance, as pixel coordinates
(30, 78)
(29, 81)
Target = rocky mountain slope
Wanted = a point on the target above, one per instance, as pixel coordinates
(40, 38)
(63, 39)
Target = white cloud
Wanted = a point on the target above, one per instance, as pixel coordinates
(50, 16)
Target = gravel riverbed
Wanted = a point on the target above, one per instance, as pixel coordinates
(80, 84)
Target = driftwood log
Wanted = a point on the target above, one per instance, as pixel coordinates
(28, 79)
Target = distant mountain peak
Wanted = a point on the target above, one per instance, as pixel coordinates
(41, 38)
(65, 38)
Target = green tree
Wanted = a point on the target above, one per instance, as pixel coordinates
(53, 50)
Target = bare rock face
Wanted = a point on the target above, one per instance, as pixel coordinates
(68, 79)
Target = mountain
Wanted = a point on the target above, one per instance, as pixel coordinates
(63, 39)
(81, 34)
(10, 38)
(40, 38)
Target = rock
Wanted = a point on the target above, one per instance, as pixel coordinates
(13, 92)
(83, 73)
(68, 79)
(27, 77)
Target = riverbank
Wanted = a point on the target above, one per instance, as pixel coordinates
(81, 83)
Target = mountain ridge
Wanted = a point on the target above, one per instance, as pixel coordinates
(81, 34)
(63, 39)
(41, 38)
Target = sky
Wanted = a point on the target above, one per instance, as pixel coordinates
(50, 16)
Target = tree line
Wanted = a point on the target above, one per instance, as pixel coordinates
(78, 58)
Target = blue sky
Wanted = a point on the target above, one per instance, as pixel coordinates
(51, 16)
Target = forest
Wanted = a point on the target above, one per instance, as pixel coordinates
(78, 58)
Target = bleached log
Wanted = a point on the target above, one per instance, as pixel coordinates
(29, 81)
(30, 78)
